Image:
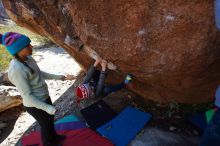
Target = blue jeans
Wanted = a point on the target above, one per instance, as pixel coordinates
(107, 89)
(112, 88)
(211, 136)
(217, 13)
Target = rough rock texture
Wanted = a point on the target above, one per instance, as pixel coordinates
(9, 97)
(170, 46)
(3, 15)
(157, 137)
(4, 80)
(7, 102)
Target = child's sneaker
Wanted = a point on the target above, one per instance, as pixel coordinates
(128, 79)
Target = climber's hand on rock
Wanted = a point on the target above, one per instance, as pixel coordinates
(104, 64)
(97, 61)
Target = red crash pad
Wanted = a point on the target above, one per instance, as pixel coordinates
(81, 137)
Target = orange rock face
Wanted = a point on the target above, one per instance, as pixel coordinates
(171, 46)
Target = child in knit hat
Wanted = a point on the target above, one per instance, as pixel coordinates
(25, 74)
(93, 84)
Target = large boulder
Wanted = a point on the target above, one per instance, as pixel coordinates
(4, 80)
(7, 102)
(3, 14)
(171, 47)
(9, 97)
(4, 19)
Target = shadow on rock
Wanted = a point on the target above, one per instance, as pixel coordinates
(9, 117)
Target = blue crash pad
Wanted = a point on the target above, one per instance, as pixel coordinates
(70, 126)
(124, 127)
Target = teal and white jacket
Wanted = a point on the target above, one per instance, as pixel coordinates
(31, 86)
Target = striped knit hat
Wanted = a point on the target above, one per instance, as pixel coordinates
(83, 91)
(14, 42)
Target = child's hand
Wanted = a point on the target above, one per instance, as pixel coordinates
(104, 64)
(97, 61)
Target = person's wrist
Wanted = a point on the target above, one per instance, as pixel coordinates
(63, 78)
(103, 68)
(95, 64)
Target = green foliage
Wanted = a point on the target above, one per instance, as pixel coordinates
(5, 58)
